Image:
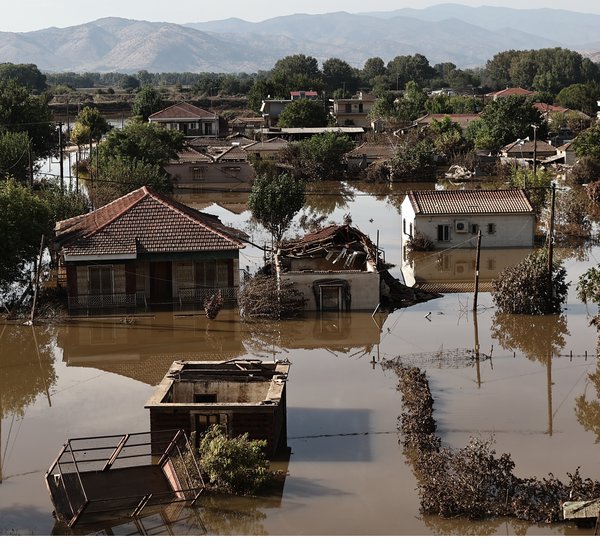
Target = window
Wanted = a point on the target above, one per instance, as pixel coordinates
(101, 280)
(443, 232)
(474, 228)
(205, 397)
(211, 273)
(360, 108)
(491, 228)
(198, 173)
(404, 225)
(410, 229)
(208, 128)
(348, 108)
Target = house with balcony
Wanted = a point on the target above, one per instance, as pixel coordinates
(353, 111)
(187, 118)
(454, 218)
(146, 249)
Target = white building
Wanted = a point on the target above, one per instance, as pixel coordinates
(453, 218)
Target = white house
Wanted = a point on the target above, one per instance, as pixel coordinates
(453, 218)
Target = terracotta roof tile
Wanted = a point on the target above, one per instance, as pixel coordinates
(181, 110)
(145, 222)
(463, 202)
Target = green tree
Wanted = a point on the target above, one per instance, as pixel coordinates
(525, 288)
(129, 82)
(275, 201)
(447, 137)
(411, 105)
(14, 159)
(297, 72)
(587, 144)
(303, 113)
(24, 74)
(340, 76)
(413, 159)
(504, 121)
(235, 465)
(92, 119)
(373, 67)
(146, 102)
(582, 97)
(147, 142)
(21, 111)
(588, 286)
(25, 218)
(403, 69)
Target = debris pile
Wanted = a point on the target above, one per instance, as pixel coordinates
(473, 481)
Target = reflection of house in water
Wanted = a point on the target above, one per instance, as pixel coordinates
(454, 270)
(335, 268)
(243, 396)
(141, 348)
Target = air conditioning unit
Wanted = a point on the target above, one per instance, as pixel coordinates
(461, 226)
(461, 269)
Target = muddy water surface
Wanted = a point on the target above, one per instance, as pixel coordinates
(347, 474)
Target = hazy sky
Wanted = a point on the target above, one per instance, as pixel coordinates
(30, 15)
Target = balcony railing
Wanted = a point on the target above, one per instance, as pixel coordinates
(99, 301)
(199, 294)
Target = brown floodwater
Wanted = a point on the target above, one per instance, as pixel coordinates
(347, 474)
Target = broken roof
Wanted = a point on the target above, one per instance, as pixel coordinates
(145, 221)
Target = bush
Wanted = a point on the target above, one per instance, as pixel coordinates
(261, 297)
(419, 242)
(234, 465)
(524, 289)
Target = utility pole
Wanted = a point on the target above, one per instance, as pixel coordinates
(551, 239)
(477, 270)
(61, 154)
(535, 127)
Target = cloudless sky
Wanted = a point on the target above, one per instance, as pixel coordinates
(31, 15)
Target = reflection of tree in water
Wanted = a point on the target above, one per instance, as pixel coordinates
(27, 368)
(235, 516)
(325, 198)
(461, 527)
(573, 248)
(588, 411)
(536, 337)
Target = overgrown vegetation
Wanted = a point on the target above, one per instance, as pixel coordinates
(474, 481)
(261, 296)
(234, 465)
(529, 288)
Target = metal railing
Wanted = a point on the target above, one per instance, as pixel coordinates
(199, 294)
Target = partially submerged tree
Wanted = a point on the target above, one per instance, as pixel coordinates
(274, 202)
(262, 296)
(526, 287)
(234, 465)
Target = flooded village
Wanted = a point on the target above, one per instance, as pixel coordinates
(532, 392)
(391, 310)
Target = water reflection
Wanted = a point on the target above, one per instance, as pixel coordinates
(454, 270)
(588, 410)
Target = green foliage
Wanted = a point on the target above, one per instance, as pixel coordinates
(275, 201)
(24, 74)
(403, 69)
(234, 465)
(588, 286)
(411, 105)
(21, 111)
(525, 288)
(413, 159)
(447, 137)
(504, 121)
(146, 102)
(536, 185)
(116, 176)
(587, 144)
(373, 67)
(321, 157)
(303, 113)
(94, 123)
(25, 217)
(297, 72)
(129, 82)
(338, 74)
(147, 142)
(580, 96)
(14, 159)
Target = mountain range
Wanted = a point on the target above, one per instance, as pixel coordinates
(466, 36)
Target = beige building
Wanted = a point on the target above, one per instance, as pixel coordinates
(354, 111)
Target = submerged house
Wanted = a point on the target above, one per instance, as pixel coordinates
(335, 268)
(187, 118)
(453, 218)
(146, 248)
(243, 396)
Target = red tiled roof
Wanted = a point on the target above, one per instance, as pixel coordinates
(181, 110)
(145, 221)
(463, 202)
(516, 91)
(528, 147)
(545, 107)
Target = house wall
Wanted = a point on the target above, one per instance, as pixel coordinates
(509, 230)
(196, 176)
(363, 287)
(226, 391)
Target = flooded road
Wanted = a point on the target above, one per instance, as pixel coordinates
(347, 474)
